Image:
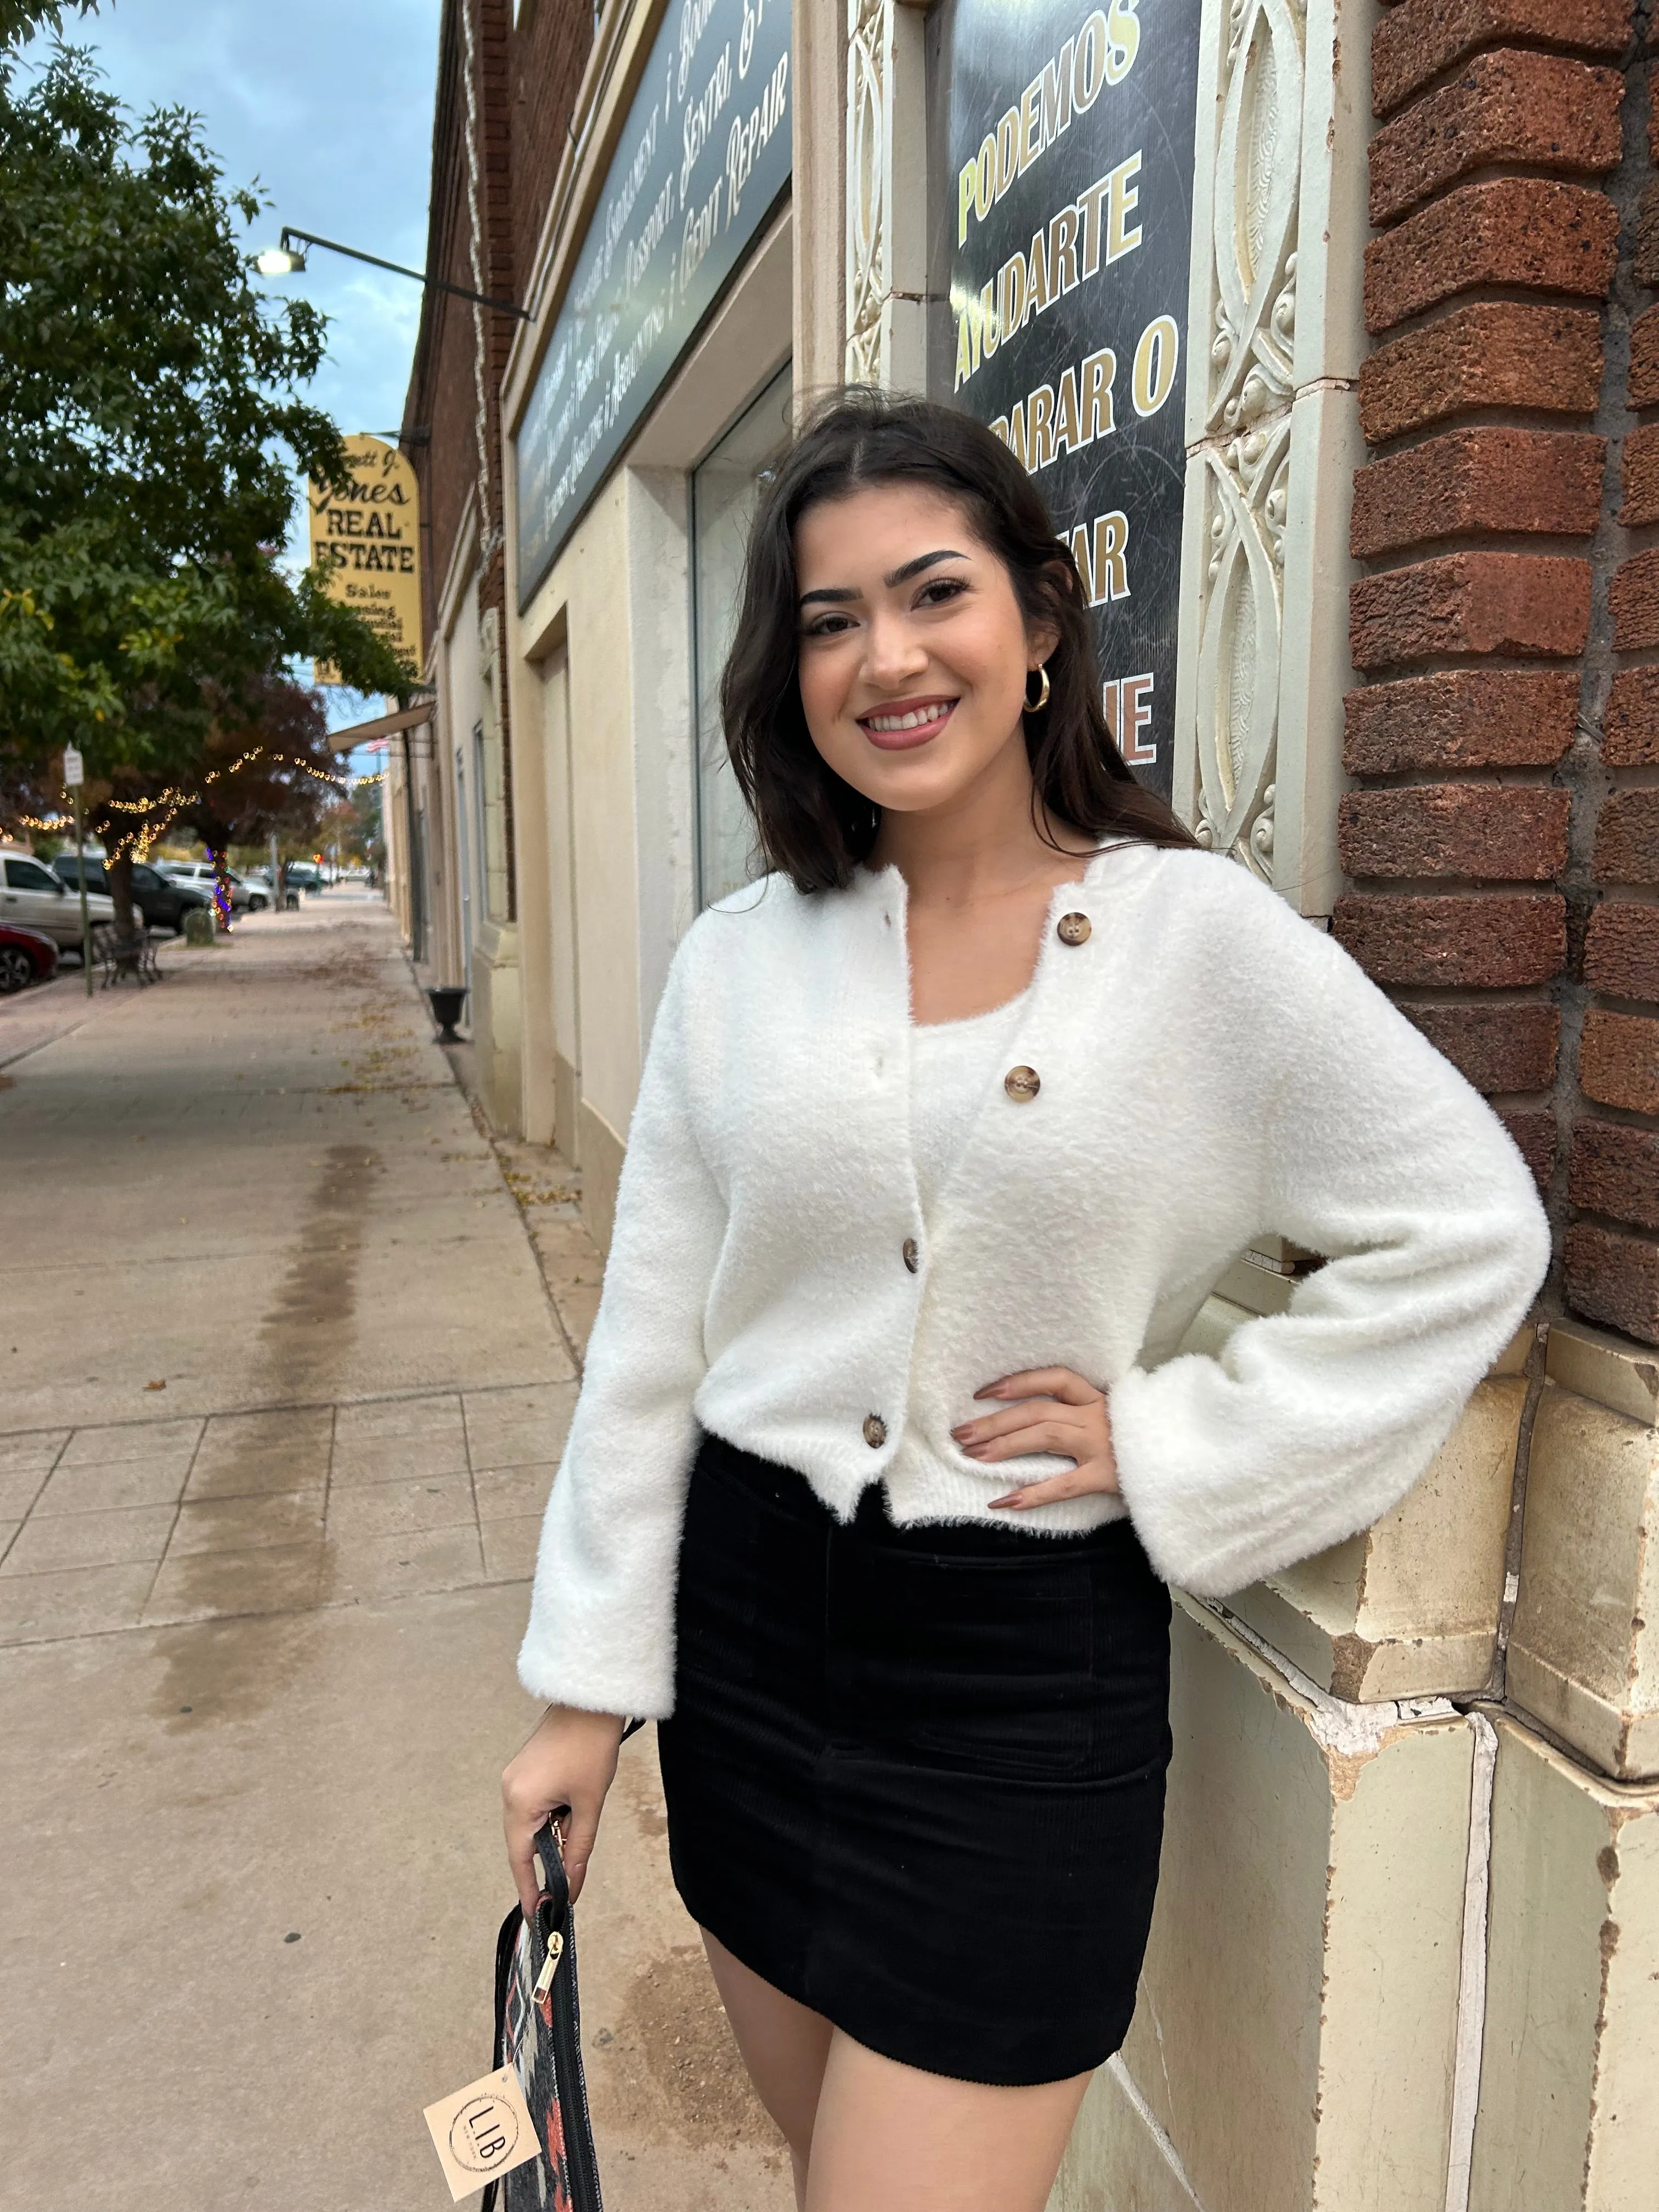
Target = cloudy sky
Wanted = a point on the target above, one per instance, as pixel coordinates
(327, 104)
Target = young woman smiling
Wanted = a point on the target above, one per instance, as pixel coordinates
(886, 1448)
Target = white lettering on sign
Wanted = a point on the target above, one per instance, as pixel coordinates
(641, 249)
(749, 137)
(701, 228)
(701, 114)
(702, 158)
(753, 17)
(693, 24)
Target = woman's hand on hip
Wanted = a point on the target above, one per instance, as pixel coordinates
(566, 1766)
(1054, 1410)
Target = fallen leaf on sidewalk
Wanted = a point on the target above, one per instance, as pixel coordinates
(155, 1386)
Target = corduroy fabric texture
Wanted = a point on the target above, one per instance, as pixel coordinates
(915, 1775)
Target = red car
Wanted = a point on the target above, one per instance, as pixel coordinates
(27, 956)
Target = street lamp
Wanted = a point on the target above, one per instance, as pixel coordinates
(287, 258)
(279, 260)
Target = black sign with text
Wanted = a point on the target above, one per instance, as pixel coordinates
(704, 155)
(1070, 139)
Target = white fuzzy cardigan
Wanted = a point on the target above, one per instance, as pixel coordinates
(1212, 1068)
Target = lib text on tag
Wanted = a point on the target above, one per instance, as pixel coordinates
(482, 2130)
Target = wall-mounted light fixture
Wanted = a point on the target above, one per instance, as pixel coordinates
(288, 258)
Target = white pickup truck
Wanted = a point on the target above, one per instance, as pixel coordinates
(31, 896)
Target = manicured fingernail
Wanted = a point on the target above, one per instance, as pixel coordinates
(1013, 1498)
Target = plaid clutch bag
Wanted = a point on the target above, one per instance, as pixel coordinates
(538, 2035)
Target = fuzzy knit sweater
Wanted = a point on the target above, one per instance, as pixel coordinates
(1212, 1068)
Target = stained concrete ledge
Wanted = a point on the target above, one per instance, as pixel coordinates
(1293, 2046)
(1569, 2114)
(1584, 1652)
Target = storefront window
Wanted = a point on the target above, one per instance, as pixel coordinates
(724, 489)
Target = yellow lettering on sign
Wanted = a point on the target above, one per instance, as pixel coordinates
(1156, 358)
(1120, 200)
(1099, 370)
(1122, 39)
(1101, 53)
(1110, 565)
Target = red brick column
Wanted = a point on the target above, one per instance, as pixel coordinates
(1502, 841)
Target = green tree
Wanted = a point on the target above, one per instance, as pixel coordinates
(152, 435)
(276, 773)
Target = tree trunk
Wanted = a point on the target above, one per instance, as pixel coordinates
(117, 870)
(218, 853)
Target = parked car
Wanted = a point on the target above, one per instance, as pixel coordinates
(247, 895)
(27, 956)
(303, 875)
(163, 902)
(34, 898)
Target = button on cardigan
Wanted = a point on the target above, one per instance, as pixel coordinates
(1211, 1068)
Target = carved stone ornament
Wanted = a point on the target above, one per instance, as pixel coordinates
(869, 95)
(1246, 424)
(1258, 178)
(1247, 484)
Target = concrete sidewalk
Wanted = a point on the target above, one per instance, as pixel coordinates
(284, 1385)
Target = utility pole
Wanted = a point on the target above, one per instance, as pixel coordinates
(73, 776)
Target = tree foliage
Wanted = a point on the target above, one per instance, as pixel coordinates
(277, 772)
(152, 431)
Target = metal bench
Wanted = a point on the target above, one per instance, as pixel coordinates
(117, 956)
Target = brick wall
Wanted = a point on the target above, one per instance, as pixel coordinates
(1502, 838)
(439, 411)
(550, 48)
(523, 81)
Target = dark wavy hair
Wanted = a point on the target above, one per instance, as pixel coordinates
(811, 824)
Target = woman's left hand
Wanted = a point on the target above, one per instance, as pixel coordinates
(1057, 1412)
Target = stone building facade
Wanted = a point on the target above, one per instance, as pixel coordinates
(1407, 1952)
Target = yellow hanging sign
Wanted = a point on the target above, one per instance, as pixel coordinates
(366, 542)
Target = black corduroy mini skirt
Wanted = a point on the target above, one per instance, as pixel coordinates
(914, 1776)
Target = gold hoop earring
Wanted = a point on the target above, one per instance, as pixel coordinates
(1035, 705)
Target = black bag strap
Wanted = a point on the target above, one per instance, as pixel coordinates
(555, 1914)
(506, 1943)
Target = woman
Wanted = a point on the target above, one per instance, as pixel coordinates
(886, 1451)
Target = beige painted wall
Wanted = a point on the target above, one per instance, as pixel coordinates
(600, 666)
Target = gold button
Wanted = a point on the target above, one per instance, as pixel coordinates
(1074, 929)
(1021, 1083)
(912, 1254)
(875, 1431)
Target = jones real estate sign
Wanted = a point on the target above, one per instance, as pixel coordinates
(1070, 189)
(366, 540)
(701, 158)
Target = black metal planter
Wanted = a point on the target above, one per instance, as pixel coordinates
(446, 1000)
